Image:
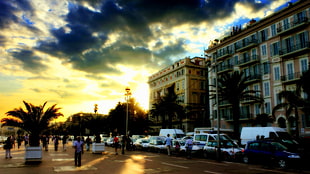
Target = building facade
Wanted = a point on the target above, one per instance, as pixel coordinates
(273, 52)
(189, 77)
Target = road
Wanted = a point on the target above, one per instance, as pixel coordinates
(132, 162)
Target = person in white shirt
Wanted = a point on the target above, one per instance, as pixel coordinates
(168, 143)
(189, 146)
(78, 146)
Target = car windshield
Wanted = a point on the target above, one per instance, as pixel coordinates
(278, 146)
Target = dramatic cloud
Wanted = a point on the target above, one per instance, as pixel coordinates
(80, 52)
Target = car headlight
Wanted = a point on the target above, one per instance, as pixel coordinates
(293, 156)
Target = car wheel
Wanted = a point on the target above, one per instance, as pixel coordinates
(205, 154)
(282, 163)
(246, 159)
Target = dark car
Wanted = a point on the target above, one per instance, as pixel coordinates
(270, 153)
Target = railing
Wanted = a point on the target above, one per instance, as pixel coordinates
(222, 68)
(247, 44)
(291, 77)
(223, 54)
(248, 59)
(294, 48)
(287, 27)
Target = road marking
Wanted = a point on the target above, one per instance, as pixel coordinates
(206, 171)
(58, 154)
(174, 165)
(268, 170)
(73, 168)
(215, 163)
(63, 159)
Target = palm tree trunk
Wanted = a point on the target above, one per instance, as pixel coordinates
(297, 122)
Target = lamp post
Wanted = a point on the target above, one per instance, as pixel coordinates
(127, 96)
(80, 119)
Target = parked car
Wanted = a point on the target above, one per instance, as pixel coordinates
(109, 142)
(229, 150)
(141, 144)
(157, 144)
(269, 152)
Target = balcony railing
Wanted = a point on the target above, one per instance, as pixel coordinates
(254, 77)
(224, 54)
(291, 26)
(247, 44)
(295, 49)
(291, 77)
(224, 68)
(248, 59)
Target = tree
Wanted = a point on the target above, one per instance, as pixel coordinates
(263, 119)
(292, 101)
(34, 120)
(167, 107)
(233, 87)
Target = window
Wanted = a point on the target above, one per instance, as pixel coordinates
(254, 54)
(278, 99)
(303, 65)
(301, 40)
(236, 60)
(286, 24)
(267, 108)
(290, 71)
(276, 73)
(264, 35)
(257, 91)
(274, 49)
(266, 68)
(273, 30)
(264, 50)
(266, 89)
(288, 44)
(257, 109)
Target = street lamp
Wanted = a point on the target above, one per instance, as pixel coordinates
(127, 96)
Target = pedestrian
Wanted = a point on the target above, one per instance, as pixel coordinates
(64, 142)
(26, 139)
(124, 141)
(19, 141)
(189, 146)
(56, 142)
(8, 146)
(13, 141)
(168, 143)
(177, 148)
(78, 146)
(44, 142)
(88, 142)
(116, 144)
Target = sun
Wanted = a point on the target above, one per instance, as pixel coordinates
(141, 94)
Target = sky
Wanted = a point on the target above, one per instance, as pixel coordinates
(78, 53)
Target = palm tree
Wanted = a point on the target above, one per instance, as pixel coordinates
(291, 103)
(34, 120)
(263, 119)
(167, 107)
(233, 87)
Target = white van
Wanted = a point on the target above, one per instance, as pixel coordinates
(174, 133)
(252, 133)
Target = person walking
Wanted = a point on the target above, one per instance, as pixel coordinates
(8, 146)
(116, 144)
(78, 146)
(88, 142)
(189, 146)
(64, 142)
(168, 144)
(56, 142)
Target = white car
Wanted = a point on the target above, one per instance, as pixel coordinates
(141, 144)
(229, 150)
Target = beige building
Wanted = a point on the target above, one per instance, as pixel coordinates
(273, 52)
(189, 79)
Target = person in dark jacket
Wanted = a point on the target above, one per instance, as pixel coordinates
(8, 146)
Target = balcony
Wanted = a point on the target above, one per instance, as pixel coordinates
(254, 78)
(290, 78)
(289, 28)
(247, 45)
(248, 60)
(295, 50)
(224, 54)
(224, 68)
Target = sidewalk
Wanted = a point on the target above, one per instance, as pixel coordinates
(52, 161)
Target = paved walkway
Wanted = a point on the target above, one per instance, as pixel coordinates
(52, 161)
